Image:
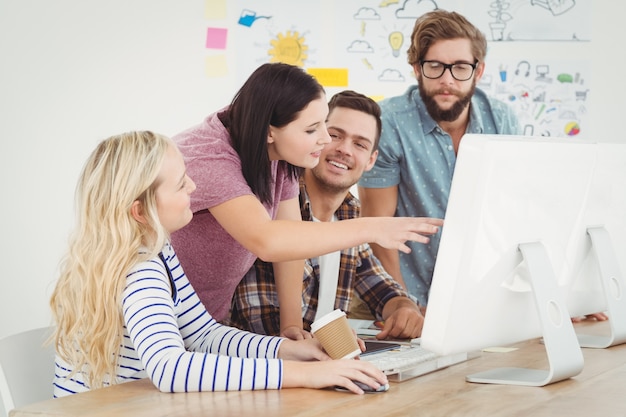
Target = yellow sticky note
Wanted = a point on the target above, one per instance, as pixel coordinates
(215, 66)
(330, 77)
(215, 9)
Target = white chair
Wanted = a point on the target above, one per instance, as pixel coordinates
(26, 368)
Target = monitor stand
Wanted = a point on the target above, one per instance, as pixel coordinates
(613, 288)
(565, 358)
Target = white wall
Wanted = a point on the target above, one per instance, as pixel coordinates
(73, 72)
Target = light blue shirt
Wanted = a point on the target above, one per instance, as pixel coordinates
(418, 156)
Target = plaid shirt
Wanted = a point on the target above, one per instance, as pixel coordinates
(255, 302)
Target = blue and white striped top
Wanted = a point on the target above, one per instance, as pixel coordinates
(171, 338)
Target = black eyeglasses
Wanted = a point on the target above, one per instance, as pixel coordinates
(461, 71)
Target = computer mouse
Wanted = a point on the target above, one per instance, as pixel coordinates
(369, 389)
(366, 388)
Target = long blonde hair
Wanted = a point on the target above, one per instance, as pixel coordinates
(106, 243)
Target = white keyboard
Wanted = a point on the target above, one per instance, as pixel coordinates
(411, 361)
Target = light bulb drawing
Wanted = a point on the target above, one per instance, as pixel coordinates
(396, 39)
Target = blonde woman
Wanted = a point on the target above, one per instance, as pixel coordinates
(124, 309)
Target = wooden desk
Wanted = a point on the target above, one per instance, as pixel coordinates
(598, 391)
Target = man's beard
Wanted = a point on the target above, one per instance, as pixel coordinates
(453, 113)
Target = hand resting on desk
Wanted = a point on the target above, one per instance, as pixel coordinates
(403, 319)
(594, 316)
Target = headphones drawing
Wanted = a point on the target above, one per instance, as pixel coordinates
(523, 64)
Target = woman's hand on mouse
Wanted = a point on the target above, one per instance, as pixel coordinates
(341, 373)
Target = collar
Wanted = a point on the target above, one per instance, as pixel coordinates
(349, 208)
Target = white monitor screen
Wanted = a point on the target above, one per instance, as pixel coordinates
(508, 192)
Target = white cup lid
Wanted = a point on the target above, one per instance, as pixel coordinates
(324, 320)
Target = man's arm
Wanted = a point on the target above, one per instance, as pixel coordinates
(386, 298)
(382, 202)
(288, 278)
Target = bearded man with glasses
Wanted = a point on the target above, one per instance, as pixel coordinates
(421, 133)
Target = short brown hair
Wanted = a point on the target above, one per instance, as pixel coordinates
(356, 101)
(441, 24)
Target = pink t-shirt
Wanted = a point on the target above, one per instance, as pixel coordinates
(213, 261)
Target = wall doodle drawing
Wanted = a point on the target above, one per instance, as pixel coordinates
(551, 98)
(533, 20)
(275, 31)
(369, 40)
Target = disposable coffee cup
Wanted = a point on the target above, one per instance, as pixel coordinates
(336, 336)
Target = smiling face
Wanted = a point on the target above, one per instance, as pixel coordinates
(446, 98)
(344, 160)
(173, 191)
(301, 142)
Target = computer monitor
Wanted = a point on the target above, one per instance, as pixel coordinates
(596, 279)
(511, 248)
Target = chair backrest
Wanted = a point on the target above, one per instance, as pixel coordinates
(26, 368)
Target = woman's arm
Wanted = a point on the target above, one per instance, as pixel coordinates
(246, 220)
(173, 347)
(189, 351)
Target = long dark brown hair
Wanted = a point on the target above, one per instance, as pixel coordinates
(272, 96)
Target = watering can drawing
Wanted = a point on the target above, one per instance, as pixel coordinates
(248, 17)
